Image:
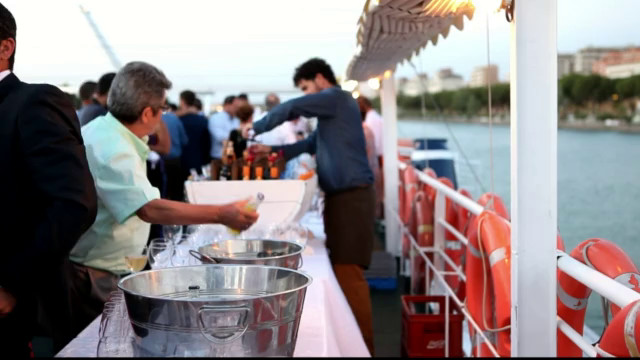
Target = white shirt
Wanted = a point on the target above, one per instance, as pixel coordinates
(4, 74)
(374, 122)
(282, 134)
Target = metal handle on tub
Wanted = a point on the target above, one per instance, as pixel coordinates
(300, 262)
(202, 257)
(224, 334)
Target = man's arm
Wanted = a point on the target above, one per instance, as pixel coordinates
(54, 155)
(161, 211)
(321, 105)
(307, 145)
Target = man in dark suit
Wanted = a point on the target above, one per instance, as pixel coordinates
(47, 200)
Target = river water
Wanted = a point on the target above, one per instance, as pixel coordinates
(598, 181)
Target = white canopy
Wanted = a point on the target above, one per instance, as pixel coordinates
(391, 31)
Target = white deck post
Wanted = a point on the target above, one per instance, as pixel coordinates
(391, 181)
(534, 117)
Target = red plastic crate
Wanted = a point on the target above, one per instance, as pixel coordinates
(423, 333)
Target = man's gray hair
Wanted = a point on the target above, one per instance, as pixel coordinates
(136, 86)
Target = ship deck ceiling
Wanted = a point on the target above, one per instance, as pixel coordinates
(392, 31)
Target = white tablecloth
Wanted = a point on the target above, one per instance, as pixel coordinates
(327, 328)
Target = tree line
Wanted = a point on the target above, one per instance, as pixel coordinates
(580, 95)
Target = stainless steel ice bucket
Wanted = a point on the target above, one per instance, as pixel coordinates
(215, 310)
(252, 251)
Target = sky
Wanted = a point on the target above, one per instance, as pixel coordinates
(224, 46)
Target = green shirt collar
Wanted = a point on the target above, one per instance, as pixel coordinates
(139, 144)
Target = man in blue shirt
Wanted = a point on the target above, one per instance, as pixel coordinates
(221, 124)
(343, 174)
(196, 152)
(172, 163)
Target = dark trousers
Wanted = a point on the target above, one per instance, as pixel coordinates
(89, 289)
(349, 223)
(175, 179)
(356, 290)
(54, 308)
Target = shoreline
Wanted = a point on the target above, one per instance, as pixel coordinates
(563, 124)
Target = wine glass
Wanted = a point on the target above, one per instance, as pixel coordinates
(172, 232)
(115, 346)
(136, 261)
(160, 252)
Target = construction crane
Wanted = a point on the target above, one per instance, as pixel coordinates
(112, 56)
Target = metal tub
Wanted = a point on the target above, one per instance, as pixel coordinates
(252, 252)
(215, 310)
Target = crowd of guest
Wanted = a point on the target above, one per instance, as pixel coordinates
(88, 185)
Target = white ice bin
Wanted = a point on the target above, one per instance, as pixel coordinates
(285, 200)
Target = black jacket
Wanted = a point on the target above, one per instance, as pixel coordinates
(47, 195)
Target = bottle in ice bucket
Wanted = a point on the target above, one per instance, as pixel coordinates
(252, 205)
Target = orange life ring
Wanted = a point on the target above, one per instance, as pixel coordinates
(422, 230)
(609, 259)
(464, 215)
(473, 261)
(458, 254)
(488, 267)
(430, 191)
(410, 182)
(622, 336)
(452, 246)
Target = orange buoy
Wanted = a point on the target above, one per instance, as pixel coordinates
(409, 180)
(453, 246)
(609, 259)
(430, 191)
(489, 282)
(622, 336)
(474, 261)
(464, 215)
(423, 233)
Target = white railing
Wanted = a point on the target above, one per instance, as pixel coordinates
(598, 282)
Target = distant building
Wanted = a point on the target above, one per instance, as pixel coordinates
(482, 75)
(445, 80)
(619, 64)
(413, 86)
(566, 64)
(585, 58)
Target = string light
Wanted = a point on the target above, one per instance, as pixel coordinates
(374, 83)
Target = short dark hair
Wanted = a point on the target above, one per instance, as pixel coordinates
(173, 107)
(104, 83)
(198, 104)
(87, 89)
(244, 112)
(8, 30)
(311, 68)
(189, 97)
(243, 96)
(229, 100)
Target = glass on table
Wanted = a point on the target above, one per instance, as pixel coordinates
(115, 346)
(160, 252)
(172, 232)
(136, 261)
